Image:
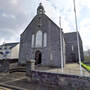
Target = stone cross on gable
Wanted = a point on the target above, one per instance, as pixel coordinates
(40, 9)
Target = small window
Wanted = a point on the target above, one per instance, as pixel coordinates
(72, 48)
(33, 36)
(45, 39)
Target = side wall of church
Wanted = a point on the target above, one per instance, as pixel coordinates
(54, 45)
(71, 40)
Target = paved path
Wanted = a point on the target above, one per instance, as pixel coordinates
(73, 69)
(18, 81)
(7, 79)
(3, 88)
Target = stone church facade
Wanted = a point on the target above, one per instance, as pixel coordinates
(41, 41)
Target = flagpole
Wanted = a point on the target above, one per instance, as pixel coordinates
(61, 44)
(77, 38)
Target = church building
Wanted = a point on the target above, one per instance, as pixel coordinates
(42, 40)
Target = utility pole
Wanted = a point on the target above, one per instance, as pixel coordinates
(61, 41)
(79, 56)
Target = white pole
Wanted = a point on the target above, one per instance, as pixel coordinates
(77, 38)
(61, 44)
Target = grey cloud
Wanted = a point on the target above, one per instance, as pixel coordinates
(5, 34)
(12, 19)
(10, 22)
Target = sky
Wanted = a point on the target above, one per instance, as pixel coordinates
(15, 15)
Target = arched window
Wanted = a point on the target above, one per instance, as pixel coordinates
(45, 39)
(39, 39)
(33, 36)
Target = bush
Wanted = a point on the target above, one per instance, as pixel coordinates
(85, 66)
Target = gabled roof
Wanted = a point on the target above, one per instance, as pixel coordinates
(53, 22)
(43, 14)
(11, 45)
(36, 16)
(71, 36)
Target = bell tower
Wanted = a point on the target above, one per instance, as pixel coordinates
(40, 9)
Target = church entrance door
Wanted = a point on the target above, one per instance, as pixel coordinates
(38, 57)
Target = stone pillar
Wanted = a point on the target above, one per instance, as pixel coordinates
(30, 66)
(4, 67)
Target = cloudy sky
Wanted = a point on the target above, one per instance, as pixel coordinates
(15, 15)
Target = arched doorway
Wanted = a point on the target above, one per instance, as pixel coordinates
(38, 57)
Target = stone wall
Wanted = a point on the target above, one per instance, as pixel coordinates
(4, 66)
(65, 82)
(71, 40)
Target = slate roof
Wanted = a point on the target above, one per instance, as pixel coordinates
(69, 37)
(44, 15)
(10, 44)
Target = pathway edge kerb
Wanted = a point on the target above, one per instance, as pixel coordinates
(12, 87)
(62, 75)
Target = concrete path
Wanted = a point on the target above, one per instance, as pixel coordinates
(3, 88)
(73, 69)
(19, 81)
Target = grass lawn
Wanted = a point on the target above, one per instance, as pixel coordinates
(85, 66)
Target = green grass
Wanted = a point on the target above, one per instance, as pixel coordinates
(85, 66)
